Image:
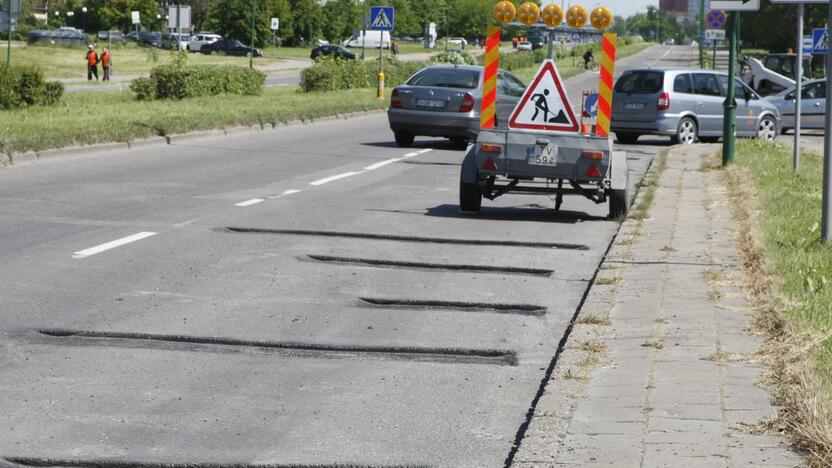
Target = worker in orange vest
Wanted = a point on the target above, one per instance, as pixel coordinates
(92, 63)
(105, 64)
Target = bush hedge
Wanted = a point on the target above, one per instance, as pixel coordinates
(22, 86)
(457, 58)
(331, 74)
(186, 81)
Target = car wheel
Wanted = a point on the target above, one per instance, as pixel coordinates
(626, 138)
(686, 133)
(767, 129)
(404, 139)
(470, 198)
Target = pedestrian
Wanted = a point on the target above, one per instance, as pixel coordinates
(92, 63)
(394, 47)
(105, 64)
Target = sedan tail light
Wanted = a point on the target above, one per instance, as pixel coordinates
(395, 101)
(664, 102)
(467, 103)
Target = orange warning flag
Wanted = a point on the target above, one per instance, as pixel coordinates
(489, 78)
(605, 87)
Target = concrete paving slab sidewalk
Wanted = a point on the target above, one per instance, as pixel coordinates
(660, 367)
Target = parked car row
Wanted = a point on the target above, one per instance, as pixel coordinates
(684, 104)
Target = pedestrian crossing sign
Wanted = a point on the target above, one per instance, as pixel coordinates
(381, 18)
(545, 105)
(820, 41)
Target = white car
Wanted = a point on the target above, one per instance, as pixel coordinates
(457, 42)
(524, 45)
(201, 39)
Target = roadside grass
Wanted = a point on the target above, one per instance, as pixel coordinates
(129, 59)
(88, 117)
(572, 66)
(791, 275)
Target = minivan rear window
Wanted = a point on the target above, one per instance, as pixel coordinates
(447, 78)
(640, 82)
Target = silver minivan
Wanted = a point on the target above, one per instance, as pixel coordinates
(686, 105)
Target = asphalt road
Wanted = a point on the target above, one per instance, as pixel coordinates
(366, 323)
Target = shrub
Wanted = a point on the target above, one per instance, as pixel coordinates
(179, 82)
(331, 74)
(457, 58)
(24, 86)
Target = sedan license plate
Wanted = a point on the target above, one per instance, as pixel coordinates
(543, 155)
(633, 106)
(430, 103)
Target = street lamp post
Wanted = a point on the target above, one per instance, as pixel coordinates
(84, 14)
(69, 16)
(159, 19)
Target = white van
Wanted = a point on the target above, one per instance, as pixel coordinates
(372, 40)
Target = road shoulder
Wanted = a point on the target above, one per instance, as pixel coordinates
(660, 368)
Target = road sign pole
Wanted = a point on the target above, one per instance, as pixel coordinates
(826, 229)
(253, 17)
(9, 49)
(714, 64)
(798, 93)
(729, 133)
(701, 33)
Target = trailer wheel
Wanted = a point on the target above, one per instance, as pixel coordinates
(627, 138)
(470, 198)
(619, 203)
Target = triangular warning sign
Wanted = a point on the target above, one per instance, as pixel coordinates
(544, 105)
(381, 21)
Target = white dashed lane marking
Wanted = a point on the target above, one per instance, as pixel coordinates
(253, 201)
(329, 179)
(377, 165)
(111, 245)
(288, 192)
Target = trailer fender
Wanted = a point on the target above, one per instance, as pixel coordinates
(469, 171)
(619, 170)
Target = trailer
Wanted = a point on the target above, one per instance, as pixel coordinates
(542, 163)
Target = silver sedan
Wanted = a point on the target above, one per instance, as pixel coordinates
(444, 101)
(812, 107)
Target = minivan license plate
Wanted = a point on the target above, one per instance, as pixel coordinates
(430, 103)
(633, 106)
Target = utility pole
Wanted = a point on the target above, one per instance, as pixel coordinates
(826, 229)
(729, 132)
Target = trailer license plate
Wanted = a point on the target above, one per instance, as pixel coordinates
(633, 106)
(543, 156)
(430, 103)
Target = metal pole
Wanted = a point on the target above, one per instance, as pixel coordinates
(730, 117)
(364, 20)
(714, 64)
(551, 52)
(798, 90)
(9, 50)
(251, 51)
(701, 33)
(826, 230)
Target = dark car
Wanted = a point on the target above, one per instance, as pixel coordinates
(229, 47)
(334, 51)
(152, 39)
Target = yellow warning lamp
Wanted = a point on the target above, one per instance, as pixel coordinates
(601, 18)
(552, 15)
(504, 12)
(529, 13)
(577, 16)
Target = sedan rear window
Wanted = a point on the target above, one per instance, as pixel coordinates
(640, 82)
(447, 78)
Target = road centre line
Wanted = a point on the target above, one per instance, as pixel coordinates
(410, 155)
(111, 245)
(424, 150)
(377, 165)
(253, 201)
(288, 192)
(326, 180)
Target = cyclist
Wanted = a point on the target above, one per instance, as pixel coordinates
(588, 57)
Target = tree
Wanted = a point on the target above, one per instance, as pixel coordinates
(232, 19)
(115, 14)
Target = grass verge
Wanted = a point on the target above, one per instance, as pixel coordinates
(573, 66)
(89, 117)
(791, 281)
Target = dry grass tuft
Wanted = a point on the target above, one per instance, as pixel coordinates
(573, 375)
(593, 346)
(594, 320)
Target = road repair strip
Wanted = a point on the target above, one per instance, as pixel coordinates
(111, 245)
(253, 201)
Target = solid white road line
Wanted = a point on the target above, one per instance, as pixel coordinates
(410, 155)
(424, 150)
(253, 201)
(332, 178)
(377, 165)
(111, 245)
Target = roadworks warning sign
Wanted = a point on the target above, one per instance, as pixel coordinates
(545, 105)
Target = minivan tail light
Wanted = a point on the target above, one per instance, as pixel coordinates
(467, 103)
(664, 102)
(395, 101)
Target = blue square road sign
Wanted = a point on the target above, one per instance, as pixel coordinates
(382, 18)
(820, 41)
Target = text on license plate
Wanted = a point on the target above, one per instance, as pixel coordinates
(633, 106)
(545, 156)
(430, 103)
